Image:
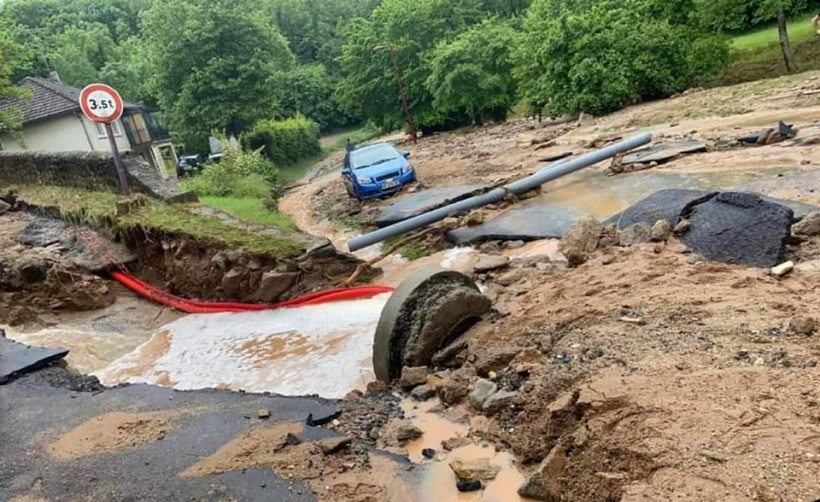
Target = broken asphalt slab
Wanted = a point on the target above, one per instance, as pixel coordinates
(17, 359)
(530, 220)
(38, 407)
(663, 152)
(426, 200)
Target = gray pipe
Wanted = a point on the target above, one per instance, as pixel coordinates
(521, 186)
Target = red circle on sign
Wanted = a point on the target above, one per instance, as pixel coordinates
(97, 101)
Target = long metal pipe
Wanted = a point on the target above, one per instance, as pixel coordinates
(521, 186)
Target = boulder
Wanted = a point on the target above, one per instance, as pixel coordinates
(334, 444)
(399, 431)
(581, 240)
(802, 325)
(808, 226)
(275, 284)
(488, 263)
(456, 387)
(455, 443)
(493, 359)
(413, 377)
(661, 231)
(638, 233)
(423, 392)
(232, 281)
(545, 484)
(498, 401)
(481, 391)
(475, 469)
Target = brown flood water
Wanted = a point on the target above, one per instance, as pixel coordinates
(439, 482)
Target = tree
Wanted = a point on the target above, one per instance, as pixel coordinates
(411, 29)
(81, 53)
(597, 56)
(779, 9)
(310, 93)
(213, 65)
(472, 74)
(10, 55)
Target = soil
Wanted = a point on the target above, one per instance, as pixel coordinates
(113, 432)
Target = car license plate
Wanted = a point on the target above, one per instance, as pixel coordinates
(391, 183)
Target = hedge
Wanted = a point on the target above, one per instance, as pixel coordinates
(285, 142)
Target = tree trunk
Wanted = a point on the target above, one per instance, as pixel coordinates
(784, 40)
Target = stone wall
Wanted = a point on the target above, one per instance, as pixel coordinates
(90, 170)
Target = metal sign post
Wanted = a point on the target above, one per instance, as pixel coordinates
(101, 103)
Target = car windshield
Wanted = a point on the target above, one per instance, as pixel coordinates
(371, 156)
(187, 161)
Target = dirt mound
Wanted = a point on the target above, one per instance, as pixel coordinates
(109, 433)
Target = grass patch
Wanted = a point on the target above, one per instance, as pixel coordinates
(74, 204)
(99, 209)
(355, 134)
(800, 29)
(300, 169)
(411, 251)
(176, 219)
(767, 62)
(248, 209)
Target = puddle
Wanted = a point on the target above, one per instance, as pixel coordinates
(439, 481)
(320, 349)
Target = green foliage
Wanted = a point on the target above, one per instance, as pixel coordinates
(410, 29)
(310, 93)
(739, 15)
(472, 74)
(284, 142)
(238, 174)
(213, 65)
(597, 56)
(10, 55)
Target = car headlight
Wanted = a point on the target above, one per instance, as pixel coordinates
(408, 168)
(365, 181)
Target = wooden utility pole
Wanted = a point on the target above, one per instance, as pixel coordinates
(410, 125)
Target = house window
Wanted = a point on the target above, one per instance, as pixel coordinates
(101, 129)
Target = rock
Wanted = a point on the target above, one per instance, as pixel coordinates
(377, 387)
(482, 390)
(468, 486)
(231, 282)
(399, 431)
(428, 453)
(353, 395)
(511, 277)
(530, 355)
(423, 392)
(331, 445)
(455, 443)
(635, 234)
(263, 413)
(545, 484)
(682, 227)
(802, 325)
(499, 401)
(457, 387)
(493, 359)
(783, 269)
(475, 469)
(514, 244)
(581, 240)
(394, 450)
(413, 377)
(292, 439)
(808, 226)
(490, 262)
(5, 207)
(608, 259)
(474, 218)
(275, 284)
(661, 231)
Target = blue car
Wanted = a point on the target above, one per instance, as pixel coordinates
(376, 171)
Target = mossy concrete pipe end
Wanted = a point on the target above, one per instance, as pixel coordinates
(428, 311)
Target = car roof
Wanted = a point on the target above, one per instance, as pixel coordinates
(372, 147)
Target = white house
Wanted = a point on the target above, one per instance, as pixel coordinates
(53, 122)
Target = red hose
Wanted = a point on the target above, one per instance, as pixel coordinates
(197, 307)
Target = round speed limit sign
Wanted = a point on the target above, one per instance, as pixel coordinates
(101, 103)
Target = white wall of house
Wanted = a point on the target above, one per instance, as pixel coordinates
(68, 133)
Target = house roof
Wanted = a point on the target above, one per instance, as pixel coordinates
(48, 99)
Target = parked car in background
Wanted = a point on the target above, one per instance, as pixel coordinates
(376, 171)
(188, 165)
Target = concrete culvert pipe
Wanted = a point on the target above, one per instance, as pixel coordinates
(430, 309)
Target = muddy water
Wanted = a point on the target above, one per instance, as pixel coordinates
(439, 482)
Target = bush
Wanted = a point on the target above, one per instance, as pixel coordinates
(238, 174)
(284, 142)
(597, 56)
